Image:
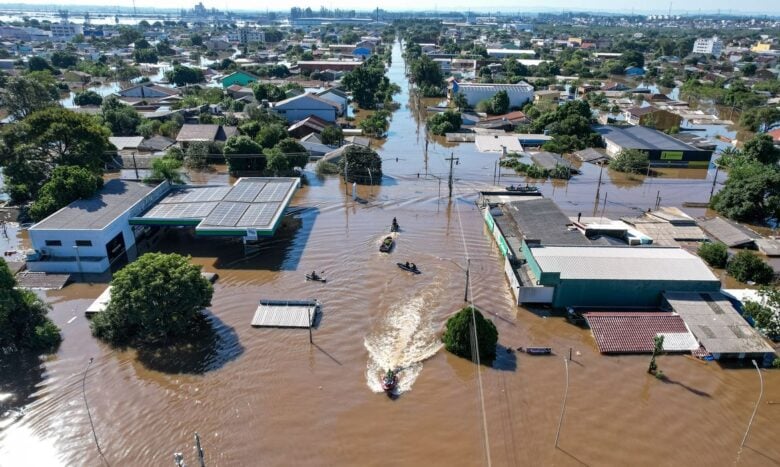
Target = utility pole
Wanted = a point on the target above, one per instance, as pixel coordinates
(466, 294)
(714, 181)
(452, 159)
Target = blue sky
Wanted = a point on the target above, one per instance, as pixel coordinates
(644, 6)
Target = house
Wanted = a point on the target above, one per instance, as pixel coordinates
(653, 117)
(362, 52)
(299, 107)
(614, 86)
(307, 66)
(126, 143)
(307, 126)
(237, 91)
(634, 71)
(708, 46)
(240, 78)
(149, 93)
(546, 96)
(506, 122)
(195, 133)
(775, 134)
(336, 96)
(475, 93)
(217, 44)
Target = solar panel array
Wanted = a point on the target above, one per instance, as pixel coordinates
(250, 203)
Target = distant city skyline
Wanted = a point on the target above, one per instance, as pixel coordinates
(637, 6)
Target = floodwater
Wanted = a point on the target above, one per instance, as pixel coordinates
(269, 397)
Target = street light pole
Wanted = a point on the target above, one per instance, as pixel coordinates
(78, 262)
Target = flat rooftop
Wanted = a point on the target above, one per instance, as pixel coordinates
(497, 143)
(285, 314)
(639, 137)
(253, 204)
(622, 263)
(540, 219)
(716, 323)
(98, 212)
(731, 234)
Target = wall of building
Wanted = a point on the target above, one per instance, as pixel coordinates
(619, 293)
(295, 115)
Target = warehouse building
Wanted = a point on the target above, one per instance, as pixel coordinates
(662, 149)
(91, 235)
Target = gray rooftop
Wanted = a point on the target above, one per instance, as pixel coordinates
(716, 323)
(640, 137)
(727, 232)
(96, 213)
(540, 219)
(549, 160)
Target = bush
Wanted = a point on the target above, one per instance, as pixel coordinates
(747, 266)
(630, 161)
(715, 254)
(87, 98)
(155, 299)
(445, 122)
(763, 313)
(332, 135)
(326, 168)
(362, 165)
(457, 335)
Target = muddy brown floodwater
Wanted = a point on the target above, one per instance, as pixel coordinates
(268, 397)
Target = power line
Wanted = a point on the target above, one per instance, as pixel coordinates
(86, 404)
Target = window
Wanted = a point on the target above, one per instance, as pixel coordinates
(53, 243)
(83, 242)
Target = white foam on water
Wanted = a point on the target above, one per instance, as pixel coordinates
(404, 338)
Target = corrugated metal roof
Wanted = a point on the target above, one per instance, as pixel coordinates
(622, 263)
(731, 234)
(639, 137)
(716, 323)
(285, 314)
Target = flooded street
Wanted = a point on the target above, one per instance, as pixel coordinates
(268, 397)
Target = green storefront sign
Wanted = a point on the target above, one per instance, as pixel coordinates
(672, 155)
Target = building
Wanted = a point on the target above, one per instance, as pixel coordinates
(240, 78)
(503, 53)
(634, 71)
(475, 93)
(299, 107)
(711, 46)
(204, 133)
(337, 97)
(615, 276)
(89, 235)
(308, 66)
(65, 31)
(307, 126)
(246, 35)
(653, 117)
(662, 149)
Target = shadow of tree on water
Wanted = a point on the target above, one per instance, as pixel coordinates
(210, 346)
(22, 373)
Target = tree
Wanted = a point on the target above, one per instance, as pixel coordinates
(499, 103)
(32, 148)
(761, 148)
(376, 125)
(155, 299)
(444, 122)
(182, 75)
(751, 193)
(747, 266)
(632, 58)
(63, 59)
(165, 168)
(658, 348)
(715, 254)
(458, 334)
(295, 152)
(630, 161)
(196, 40)
(37, 63)
(23, 321)
(277, 162)
(267, 91)
(332, 135)
(749, 69)
(23, 95)
(425, 72)
(460, 101)
(145, 55)
(243, 154)
(270, 135)
(368, 84)
(757, 117)
(67, 184)
(122, 119)
(765, 312)
(361, 164)
(88, 97)
(196, 155)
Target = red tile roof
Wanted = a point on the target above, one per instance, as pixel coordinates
(631, 332)
(775, 134)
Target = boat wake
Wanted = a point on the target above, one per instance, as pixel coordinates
(403, 339)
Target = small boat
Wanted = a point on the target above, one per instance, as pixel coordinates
(535, 350)
(522, 189)
(387, 244)
(394, 227)
(315, 277)
(390, 380)
(409, 268)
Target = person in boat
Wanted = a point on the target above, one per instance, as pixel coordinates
(395, 224)
(414, 267)
(314, 275)
(407, 265)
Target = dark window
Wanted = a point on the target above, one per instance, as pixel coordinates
(83, 242)
(53, 243)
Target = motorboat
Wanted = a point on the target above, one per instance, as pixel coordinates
(312, 276)
(522, 189)
(387, 244)
(409, 267)
(535, 350)
(390, 380)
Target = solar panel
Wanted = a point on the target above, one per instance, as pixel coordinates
(226, 214)
(181, 211)
(258, 215)
(273, 192)
(244, 192)
(196, 195)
